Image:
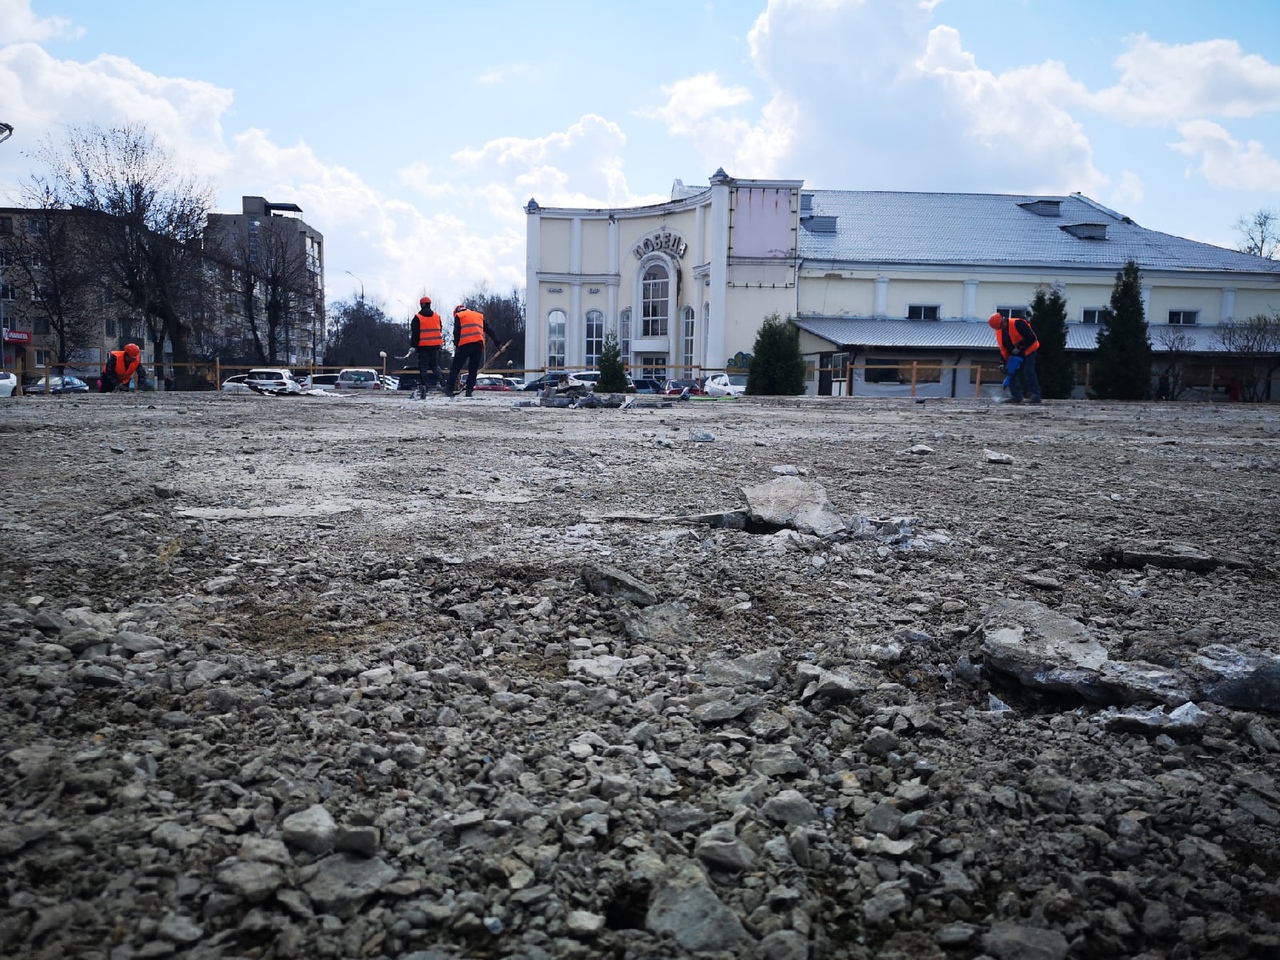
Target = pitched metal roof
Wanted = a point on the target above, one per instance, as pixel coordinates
(998, 230)
(977, 335)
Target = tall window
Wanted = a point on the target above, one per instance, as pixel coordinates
(1184, 317)
(686, 341)
(595, 338)
(8, 291)
(624, 334)
(654, 292)
(555, 338)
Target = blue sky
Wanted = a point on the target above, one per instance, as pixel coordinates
(412, 132)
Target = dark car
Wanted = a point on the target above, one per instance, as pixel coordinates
(562, 382)
(646, 385)
(67, 384)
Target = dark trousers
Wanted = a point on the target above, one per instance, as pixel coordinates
(470, 354)
(429, 375)
(1025, 376)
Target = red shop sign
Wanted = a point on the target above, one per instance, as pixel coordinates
(17, 336)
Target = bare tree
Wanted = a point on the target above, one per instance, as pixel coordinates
(1260, 234)
(504, 316)
(1257, 342)
(49, 266)
(145, 221)
(1173, 362)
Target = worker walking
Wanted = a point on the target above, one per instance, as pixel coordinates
(426, 334)
(469, 335)
(1018, 345)
(120, 368)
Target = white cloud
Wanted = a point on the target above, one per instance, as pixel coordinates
(19, 25)
(693, 99)
(1161, 82)
(1224, 161)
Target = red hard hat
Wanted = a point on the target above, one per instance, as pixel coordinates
(132, 349)
(425, 301)
(458, 309)
(995, 320)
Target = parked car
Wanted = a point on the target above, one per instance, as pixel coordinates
(320, 381)
(647, 385)
(560, 381)
(485, 381)
(725, 385)
(675, 388)
(358, 378)
(67, 384)
(8, 384)
(513, 384)
(276, 380)
(235, 384)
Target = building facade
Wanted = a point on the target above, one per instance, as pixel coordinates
(890, 291)
(74, 326)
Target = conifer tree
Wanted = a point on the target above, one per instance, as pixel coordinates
(1122, 363)
(777, 366)
(1055, 369)
(613, 377)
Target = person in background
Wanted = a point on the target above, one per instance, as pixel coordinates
(120, 368)
(469, 335)
(426, 334)
(1016, 339)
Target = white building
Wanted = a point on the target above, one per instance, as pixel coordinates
(889, 290)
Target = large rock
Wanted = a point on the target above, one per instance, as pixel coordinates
(794, 503)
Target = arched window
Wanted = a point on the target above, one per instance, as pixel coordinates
(595, 338)
(687, 340)
(624, 335)
(555, 338)
(654, 294)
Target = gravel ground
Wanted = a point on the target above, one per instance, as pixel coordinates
(371, 677)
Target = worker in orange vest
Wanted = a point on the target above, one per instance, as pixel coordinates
(426, 335)
(120, 368)
(1018, 344)
(469, 335)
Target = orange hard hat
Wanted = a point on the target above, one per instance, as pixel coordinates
(132, 350)
(995, 320)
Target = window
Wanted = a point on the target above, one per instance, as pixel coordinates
(654, 295)
(6, 226)
(921, 311)
(555, 338)
(1184, 317)
(881, 370)
(1092, 314)
(654, 367)
(40, 326)
(624, 334)
(686, 341)
(35, 227)
(6, 258)
(110, 327)
(8, 291)
(1013, 312)
(595, 338)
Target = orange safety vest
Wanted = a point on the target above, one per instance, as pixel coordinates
(120, 366)
(470, 327)
(1015, 338)
(430, 332)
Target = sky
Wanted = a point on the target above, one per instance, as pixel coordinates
(413, 132)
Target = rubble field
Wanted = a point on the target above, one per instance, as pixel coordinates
(764, 678)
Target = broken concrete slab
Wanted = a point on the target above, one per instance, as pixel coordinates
(789, 502)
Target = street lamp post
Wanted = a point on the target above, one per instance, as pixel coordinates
(359, 281)
(383, 355)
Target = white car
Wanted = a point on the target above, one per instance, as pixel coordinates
(275, 380)
(320, 381)
(359, 378)
(725, 385)
(235, 384)
(8, 383)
